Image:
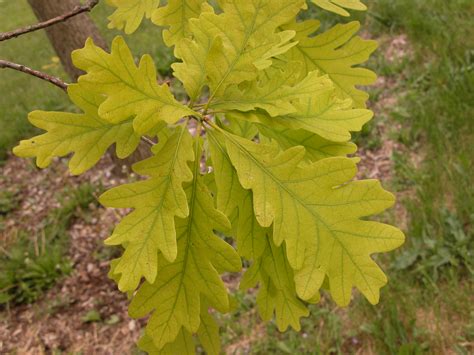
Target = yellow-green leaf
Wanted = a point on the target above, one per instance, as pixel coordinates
(130, 90)
(277, 92)
(86, 135)
(151, 226)
(176, 15)
(338, 6)
(323, 114)
(181, 286)
(219, 57)
(208, 332)
(330, 118)
(335, 52)
(234, 201)
(182, 345)
(317, 211)
(235, 55)
(193, 53)
(277, 295)
(129, 14)
(316, 147)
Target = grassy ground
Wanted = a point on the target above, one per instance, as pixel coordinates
(427, 306)
(33, 264)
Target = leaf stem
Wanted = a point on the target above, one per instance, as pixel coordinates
(64, 17)
(211, 124)
(148, 141)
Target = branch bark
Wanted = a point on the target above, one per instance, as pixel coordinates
(22, 68)
(74, 12)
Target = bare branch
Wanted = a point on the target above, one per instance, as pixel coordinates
(52, 79)
(74, 12)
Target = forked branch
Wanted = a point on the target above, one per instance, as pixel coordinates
(74, 12)
(19, 67)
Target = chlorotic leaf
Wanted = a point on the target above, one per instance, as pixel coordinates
(208, 332)
(234, 201)
(236, 55)
(332, 119)
(277, 295)
(176, 15)
(278, 291)
(151, 227)
(272, 93)
(130, 90)
(183, 344)
(193, 53)
(338, 6)
(335, 53)
(316, 211)
(129, 14)
(316, 147)
(231, 57)
(86, 135)
(181, 286)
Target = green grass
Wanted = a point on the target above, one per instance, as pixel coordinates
(437, 113)
(34, 263)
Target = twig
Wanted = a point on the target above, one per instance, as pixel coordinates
(74, 12)
(148, 141)
(52, 79)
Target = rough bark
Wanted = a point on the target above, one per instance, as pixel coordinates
(69, 35)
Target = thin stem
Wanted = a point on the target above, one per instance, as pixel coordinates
(148, 141)
(211, 124)
(19, 67)
(74, 12)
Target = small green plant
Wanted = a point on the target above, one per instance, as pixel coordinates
(25, 273)
(9, 201)
(431, 258)
(92, 316)
(34, 263)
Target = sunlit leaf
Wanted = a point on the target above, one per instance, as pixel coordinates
(338, 6)
(86, 135)
(176, 15)
(129, 14)
(130, 90)
(317, 212)
(157, 201)
(175, 298)
(335, 53)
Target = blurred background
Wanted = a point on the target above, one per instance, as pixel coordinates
(55, 296)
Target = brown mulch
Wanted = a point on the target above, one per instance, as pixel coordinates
(57, 321)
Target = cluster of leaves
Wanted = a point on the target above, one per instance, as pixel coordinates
(259, 153)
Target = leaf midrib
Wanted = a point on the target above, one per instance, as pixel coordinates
(314, 213)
